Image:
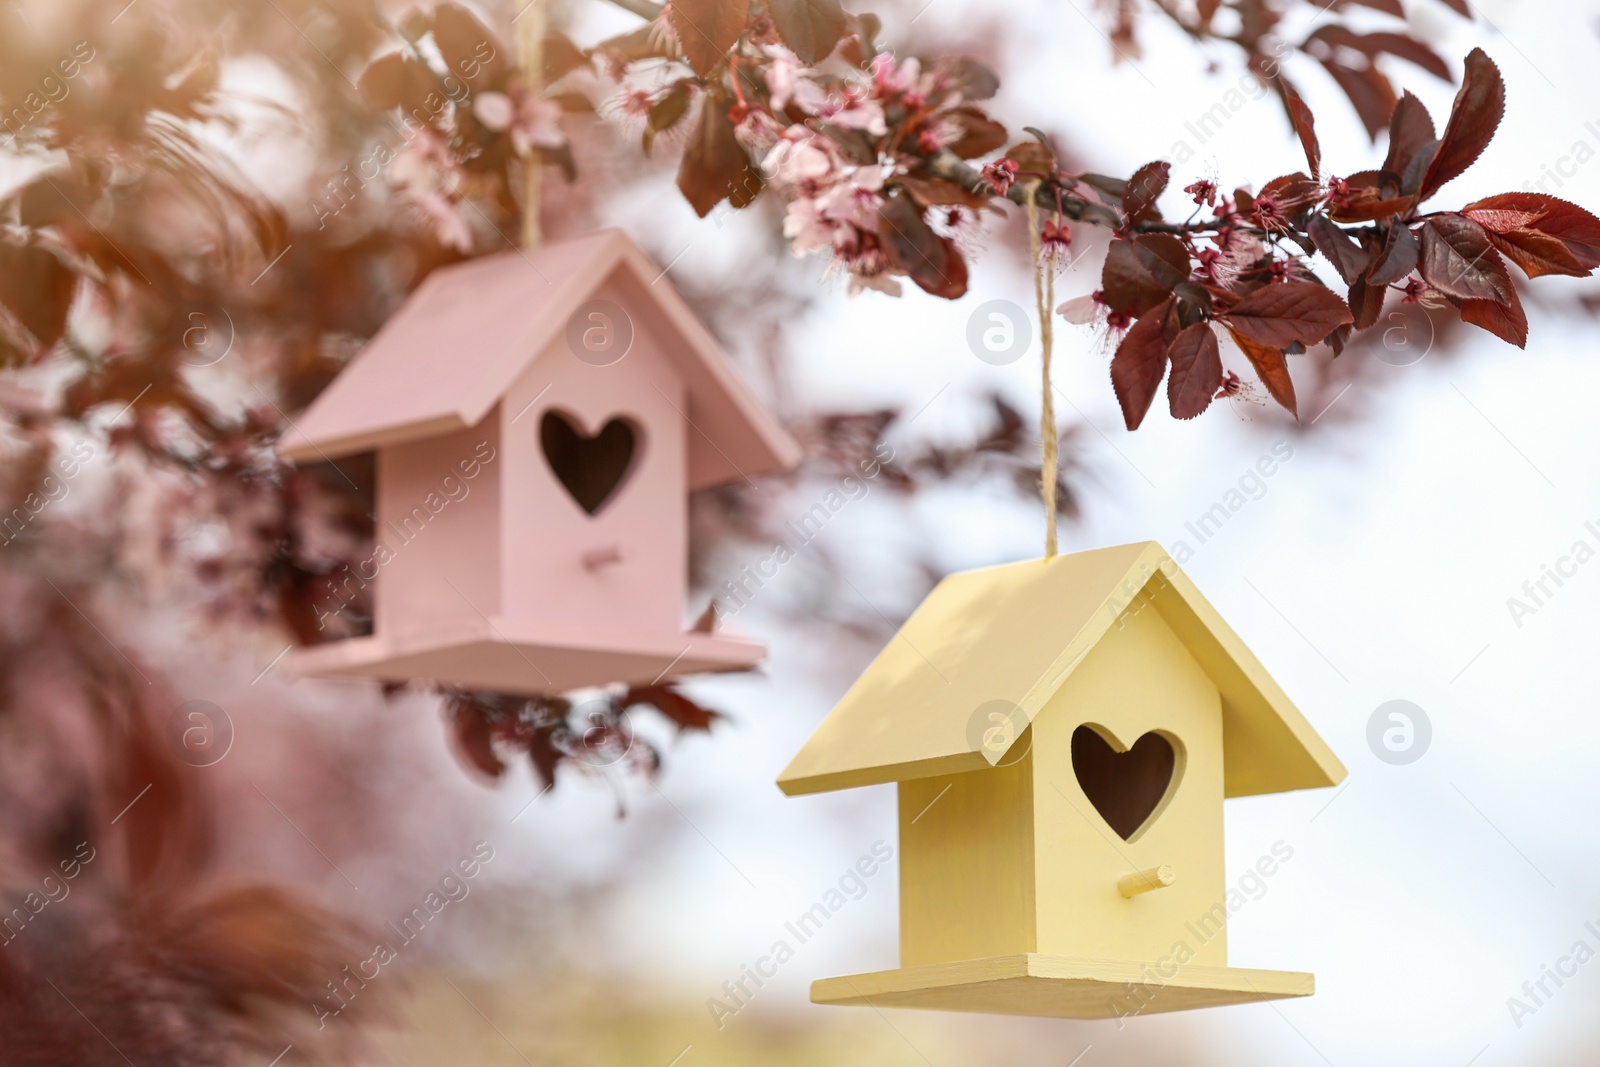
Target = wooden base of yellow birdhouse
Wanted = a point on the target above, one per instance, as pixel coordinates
(1063, 987)
(519, 656)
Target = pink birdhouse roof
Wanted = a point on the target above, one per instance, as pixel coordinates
(444, 360)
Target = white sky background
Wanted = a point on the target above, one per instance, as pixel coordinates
(1376, 566)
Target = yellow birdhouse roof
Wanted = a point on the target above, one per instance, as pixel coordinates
(1016, 633)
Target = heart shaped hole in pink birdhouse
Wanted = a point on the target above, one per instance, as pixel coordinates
(591, 469)
(1126, 787)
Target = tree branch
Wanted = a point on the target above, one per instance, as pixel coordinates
(951, 167)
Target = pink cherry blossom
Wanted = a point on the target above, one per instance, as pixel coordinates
(867, 263)
(425, 162)
(959, 223)
(1000, 175)
(448, 225)
(834, 217)
(1055, 244)
(808, 226)
(802, 158)
(756, 128)
(809, 97)
(1081, 310)
(890, 79)
(532, 121)
(782, 74)
(424, 173)
(494, 110)
(853, 109)
(630, 107)
(1237, 252)
(856, 199)
(1109, 326)
(940, 133)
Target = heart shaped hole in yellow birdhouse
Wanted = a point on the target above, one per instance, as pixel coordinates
(1128, 787)
(591, 469)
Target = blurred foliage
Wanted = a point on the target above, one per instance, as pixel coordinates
(205, 209)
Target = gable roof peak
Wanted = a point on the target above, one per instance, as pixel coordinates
(446, 357)
(1016, 632)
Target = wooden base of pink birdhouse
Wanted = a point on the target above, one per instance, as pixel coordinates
(518, 656)
(1062, 987)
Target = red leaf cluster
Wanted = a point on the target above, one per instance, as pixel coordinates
(591, 735)
(1370, 227)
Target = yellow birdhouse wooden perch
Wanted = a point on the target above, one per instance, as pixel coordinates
(1063, 733)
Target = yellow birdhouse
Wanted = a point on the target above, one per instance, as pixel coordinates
(1063, 733)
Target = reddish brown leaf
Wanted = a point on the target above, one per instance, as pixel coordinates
(1338, 338)
(1460, 7)
(572, 104)
(1390, 7)
(683, 712)
(1143, 189)
(1411, 143)
(1369, 209)
(1397, 258)
(1196, 371)
(932, 192)
(37, 288)
(1474, 117)
(980, 134)
(1340, 249)
(811, 28)
(1140, 361)
(1458, 259)
(1109, 189)
(1379, 183)
(861, 34)
(666, 112)
(561, 57)
(468, 47)
(1566, 222)
(1294, 195)
(1501, 220)
(1032, 158)
(933, 262)
(1506, 321)
(707, 29)
(1277, 316)
(1369, 91)
(544, 755)
(1305, 126)
(470, 730)
(1373, 45)
(715, 166)
(970, 78)
(397, 80)
(644, 42)
(1366, 302)
(1196, 296)
(1409, 49)
(1271, 368)
(1140, 273)
(1537, 253)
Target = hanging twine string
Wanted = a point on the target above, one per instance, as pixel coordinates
(1044, 291)
(528, 29)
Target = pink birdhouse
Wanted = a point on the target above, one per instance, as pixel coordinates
(539, 420)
